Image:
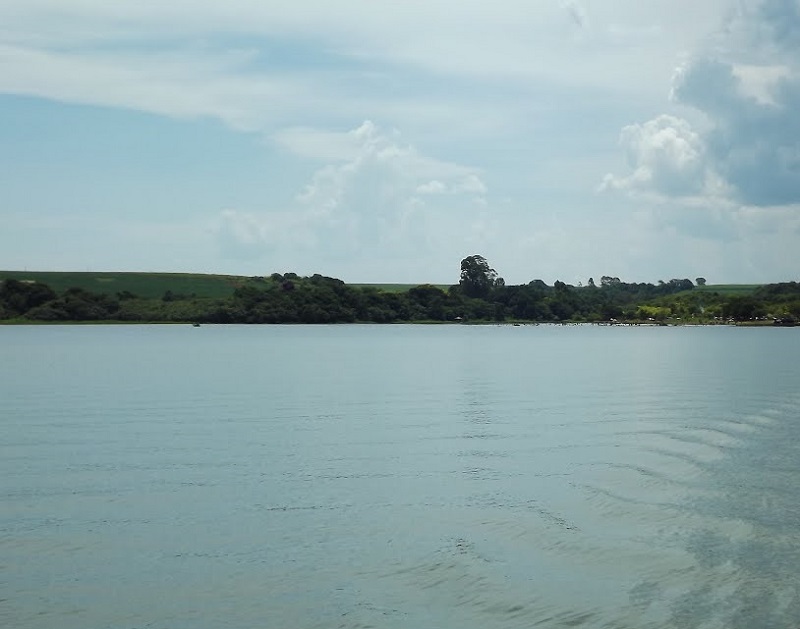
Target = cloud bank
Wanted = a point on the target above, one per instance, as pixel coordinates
(746, 148)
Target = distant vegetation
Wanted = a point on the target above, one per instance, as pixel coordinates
(480, 295)
(147, 285)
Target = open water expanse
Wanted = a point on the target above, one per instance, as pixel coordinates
(442, 477)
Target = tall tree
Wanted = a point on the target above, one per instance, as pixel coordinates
(477, 277)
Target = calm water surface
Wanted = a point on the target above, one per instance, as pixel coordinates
(449, 477)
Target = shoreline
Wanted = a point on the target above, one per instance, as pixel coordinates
(509, 323)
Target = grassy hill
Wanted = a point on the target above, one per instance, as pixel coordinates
(397, 288)
(154, 285)
(148, 285)
(729, 290)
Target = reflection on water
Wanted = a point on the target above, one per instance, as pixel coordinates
(401, 476)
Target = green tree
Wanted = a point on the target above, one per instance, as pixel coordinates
(700, 281)
(477, 277)
(16, 297)
(742, 308)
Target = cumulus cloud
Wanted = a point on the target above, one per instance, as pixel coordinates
(747, 84)
(666, 157)
(755, 142)
(434, 186)
(375, 195)
(470, 184)
(323, 145)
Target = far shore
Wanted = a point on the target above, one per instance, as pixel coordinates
(508, 323)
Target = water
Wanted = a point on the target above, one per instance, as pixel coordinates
(447, 477)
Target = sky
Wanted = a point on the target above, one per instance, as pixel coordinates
(385, 141)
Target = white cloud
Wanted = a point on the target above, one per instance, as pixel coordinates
(667, 158)
(754, 142)
(321, 145)
(434, 186)
(760, 83)
(174, 84)
(747, 84)
(249, 62)
(470, 184)
(370, 199)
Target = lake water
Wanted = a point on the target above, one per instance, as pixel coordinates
(451, 477)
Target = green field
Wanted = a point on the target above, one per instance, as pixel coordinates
(397, 288)
(154, 285)
(148, 285)
(729, 289)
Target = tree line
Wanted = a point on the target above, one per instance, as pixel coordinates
(480, 295)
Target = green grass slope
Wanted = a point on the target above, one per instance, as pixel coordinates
(148, 285)
(397, 288)
(729, 289)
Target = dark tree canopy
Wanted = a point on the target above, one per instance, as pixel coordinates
(607, 280)
(479, 295)
(477, 277)
(742, 308)
(19, 297)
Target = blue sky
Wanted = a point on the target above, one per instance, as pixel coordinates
(386, 141)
